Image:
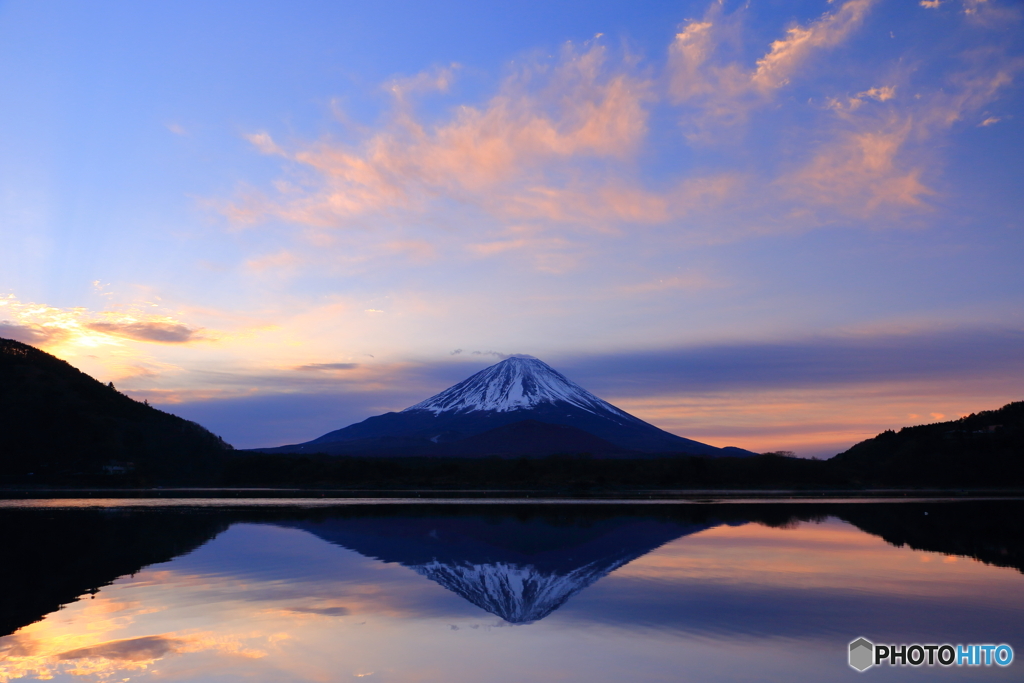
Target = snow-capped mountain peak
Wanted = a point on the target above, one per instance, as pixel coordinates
(516, 383)
(519, 594)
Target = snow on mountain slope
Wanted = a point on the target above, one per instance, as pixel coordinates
(514, 390)
(519, 594)
(516, 383)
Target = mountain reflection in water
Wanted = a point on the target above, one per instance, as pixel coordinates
(518, 568)
(273, 587)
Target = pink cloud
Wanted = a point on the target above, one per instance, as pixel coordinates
(859, 173)
(726, 93)
(787, 55)
(582, 109)
(877, 158)
(561, 145)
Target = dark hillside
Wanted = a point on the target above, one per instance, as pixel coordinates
(983, 449)
(60, 424)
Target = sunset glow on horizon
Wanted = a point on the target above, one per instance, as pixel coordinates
(778, 226)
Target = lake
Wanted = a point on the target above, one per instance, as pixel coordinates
(509, 591)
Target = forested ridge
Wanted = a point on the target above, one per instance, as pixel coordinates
(59, 424)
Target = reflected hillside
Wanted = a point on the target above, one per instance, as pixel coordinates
(52, 557)
(992, 532)
(520, 562)
(520, 567)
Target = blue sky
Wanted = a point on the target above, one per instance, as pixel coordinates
(779, 225)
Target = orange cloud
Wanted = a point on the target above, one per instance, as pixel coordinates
(48, 327)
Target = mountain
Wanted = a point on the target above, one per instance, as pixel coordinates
(57, 422)
(475, 417)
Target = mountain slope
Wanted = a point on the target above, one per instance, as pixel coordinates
(56, 421)
(516, 389)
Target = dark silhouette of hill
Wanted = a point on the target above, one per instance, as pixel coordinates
(60, 424)
(982, 449)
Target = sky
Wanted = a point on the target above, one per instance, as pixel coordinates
(774, 225)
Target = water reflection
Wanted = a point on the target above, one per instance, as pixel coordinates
(520, 568)
(730, 592)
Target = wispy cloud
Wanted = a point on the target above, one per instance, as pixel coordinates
(823, 361)
(560, 146)
(47, 326)
(150, 331)
(489, 155)
(31, 333)
(317, 367)
(690, 282)
(858, 172)
(724, 93)
(776, 68)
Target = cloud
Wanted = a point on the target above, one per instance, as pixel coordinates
(859, 172)
(277, 261)
(990, 121)
(48, 326)
(561, 146)
(725, 93)
(877, 157)
(321, 611)
(34, 335)
(327, 366)
(776, 68)
(991, 14)
(934, 355)
(418, 251)
(435, 80)
(690, 282)
(882, 94)
(132, 649)
(543, 120)
(264, 143)
(150, 331)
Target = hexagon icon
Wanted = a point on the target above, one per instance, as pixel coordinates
(862, 653)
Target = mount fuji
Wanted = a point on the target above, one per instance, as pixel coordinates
(520, 406)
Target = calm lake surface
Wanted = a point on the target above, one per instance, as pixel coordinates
(138, 590)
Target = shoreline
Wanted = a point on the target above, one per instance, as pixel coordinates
(253, 495)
